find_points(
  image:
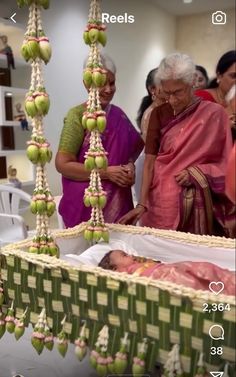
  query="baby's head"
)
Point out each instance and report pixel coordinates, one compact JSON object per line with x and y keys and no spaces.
{"x":116,"y":260}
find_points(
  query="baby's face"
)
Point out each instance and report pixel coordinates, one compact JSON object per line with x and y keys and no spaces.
{"x":120,"y":259}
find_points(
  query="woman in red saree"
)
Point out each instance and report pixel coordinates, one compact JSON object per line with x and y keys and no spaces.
{"x":220,"y":87}
{"x":187,"y":148}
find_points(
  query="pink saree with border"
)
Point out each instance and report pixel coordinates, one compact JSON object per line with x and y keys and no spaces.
{"x":197,"y":275}
{"x":198,"y":140}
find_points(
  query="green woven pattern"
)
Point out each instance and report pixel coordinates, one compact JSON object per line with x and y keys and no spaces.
{"x":142,"y":310}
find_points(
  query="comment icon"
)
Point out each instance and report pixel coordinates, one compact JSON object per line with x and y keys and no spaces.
{"x":217,"y":332}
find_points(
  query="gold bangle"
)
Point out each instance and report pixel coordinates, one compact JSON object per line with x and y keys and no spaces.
{"x":142,"y":206}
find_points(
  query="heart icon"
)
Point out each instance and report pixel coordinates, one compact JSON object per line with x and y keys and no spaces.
{"x":216,"y":287}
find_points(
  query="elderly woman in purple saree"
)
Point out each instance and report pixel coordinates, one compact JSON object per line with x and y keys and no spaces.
{"x":123,"y":144}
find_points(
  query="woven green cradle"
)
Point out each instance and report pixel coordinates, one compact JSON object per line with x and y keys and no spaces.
{"x":144,"y":310}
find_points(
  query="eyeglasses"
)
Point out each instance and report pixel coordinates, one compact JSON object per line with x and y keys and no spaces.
{"x":177,"y":93}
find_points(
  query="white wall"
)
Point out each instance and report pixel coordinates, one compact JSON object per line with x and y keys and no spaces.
{"x":205,"y":42}
{"x":136,"y":48}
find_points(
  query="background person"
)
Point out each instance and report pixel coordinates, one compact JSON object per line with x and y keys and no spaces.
{"x":187,"y":148}
{"x":201,"y":78}
{"x":230,"y":184}
{"x":220,"y":86}
{"x":154,"y":98}
{"x":123,"y":144}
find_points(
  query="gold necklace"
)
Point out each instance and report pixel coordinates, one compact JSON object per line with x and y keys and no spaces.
{"x":220,"y":98}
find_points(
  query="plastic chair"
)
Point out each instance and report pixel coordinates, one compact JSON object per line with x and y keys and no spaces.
{"x":12,"y":203}
{"x":61,"y":224}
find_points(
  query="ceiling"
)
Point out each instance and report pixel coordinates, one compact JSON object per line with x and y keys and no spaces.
{"x":178,"y":8}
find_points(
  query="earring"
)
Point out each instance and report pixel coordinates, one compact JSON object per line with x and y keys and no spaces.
{"x":218,"y":81}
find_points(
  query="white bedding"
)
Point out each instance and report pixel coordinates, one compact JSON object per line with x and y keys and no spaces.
{"x":165,"y":250}
{"x":95,"y":253}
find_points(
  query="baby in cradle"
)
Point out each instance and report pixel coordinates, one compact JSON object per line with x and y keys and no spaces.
{"x":197,"y":275}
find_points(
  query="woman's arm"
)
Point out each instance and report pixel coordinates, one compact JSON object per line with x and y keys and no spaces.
{"x":135,"y":214}
{"x":67,"y":165}
{"x":71,"y":140}
{"x":147,"y":177}
{"x":151,"y":151}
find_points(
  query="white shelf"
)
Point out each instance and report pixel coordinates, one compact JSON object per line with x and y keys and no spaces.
{"x":11,"y":123}
{"x":12,"y":152}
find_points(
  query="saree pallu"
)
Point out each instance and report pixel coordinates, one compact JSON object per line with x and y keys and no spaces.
{"x":204,"y":212}
{"x":199,"y":140}
{"x":123,"y":143}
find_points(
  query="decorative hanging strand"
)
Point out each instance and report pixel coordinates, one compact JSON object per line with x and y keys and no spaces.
{"x":94,"y":121}
{"x":36,"y":49}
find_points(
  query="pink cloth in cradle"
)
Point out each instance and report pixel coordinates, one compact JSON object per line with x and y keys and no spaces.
{"x":197,"y":275}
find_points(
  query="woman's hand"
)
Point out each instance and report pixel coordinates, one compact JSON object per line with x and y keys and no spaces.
{"x":183,"y":178}
{"x":133,"y":216}
{"x":121,"y":175}
{"x":130,"y":169}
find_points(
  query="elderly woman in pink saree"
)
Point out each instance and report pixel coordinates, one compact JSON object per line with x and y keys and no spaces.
{"x":123,"y":144}
{"x":197,"y":275}
{"x":187,"y":148}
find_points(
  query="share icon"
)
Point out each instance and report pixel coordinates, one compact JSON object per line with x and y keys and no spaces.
{"x":217,"y":374}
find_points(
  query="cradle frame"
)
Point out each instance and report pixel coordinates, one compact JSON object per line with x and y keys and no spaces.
{"x":165,"y":313}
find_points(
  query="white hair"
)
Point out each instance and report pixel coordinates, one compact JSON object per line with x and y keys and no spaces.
{"x":106,"y":61}
{"x":176,"y":66}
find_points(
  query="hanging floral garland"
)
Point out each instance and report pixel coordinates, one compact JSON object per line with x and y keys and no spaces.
{"x":201,"y":368}
{"x":81,"y":343}
{"x":37,"y":50}
{"x":94,"y":121}
{"x":172,"y":367}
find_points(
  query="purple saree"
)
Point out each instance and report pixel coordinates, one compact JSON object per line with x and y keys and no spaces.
{"x":123,"y":143}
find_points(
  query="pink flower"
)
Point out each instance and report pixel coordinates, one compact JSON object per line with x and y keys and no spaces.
{"x":121,"y":356}
{"x":48,"y":338}
{"x":38,"y":335}
{"x":95,"y":354}
{"x":138,"y":361}
{"x":9,"y":318}
{"x":101,"y":360}
{"x":19,"y":323}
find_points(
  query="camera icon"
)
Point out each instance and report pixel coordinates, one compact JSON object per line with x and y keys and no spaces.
{"x":218,"y":18}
